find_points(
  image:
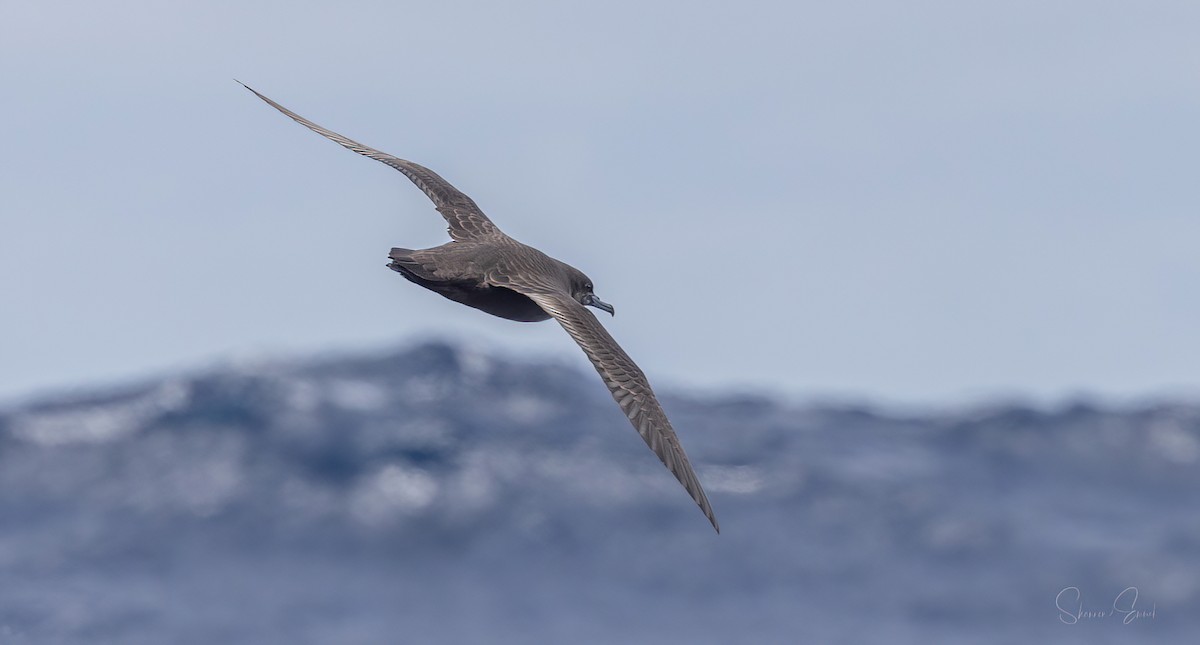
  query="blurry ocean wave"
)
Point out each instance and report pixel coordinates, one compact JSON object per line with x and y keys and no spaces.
{"x":436,"y":494}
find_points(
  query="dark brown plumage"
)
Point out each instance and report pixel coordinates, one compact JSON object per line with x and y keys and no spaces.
{"x":488,"y":270}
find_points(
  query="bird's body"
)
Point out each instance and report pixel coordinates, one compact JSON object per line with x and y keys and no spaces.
{"x":488,"y":270}
{"x":459,"y":271}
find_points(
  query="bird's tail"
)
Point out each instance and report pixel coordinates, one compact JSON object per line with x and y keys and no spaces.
{"x":402,"y":259}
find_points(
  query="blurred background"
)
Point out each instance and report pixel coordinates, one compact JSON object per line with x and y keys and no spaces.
{"x":916,"y":282}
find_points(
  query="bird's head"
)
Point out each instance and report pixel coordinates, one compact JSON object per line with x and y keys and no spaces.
{"x":581,"y":290}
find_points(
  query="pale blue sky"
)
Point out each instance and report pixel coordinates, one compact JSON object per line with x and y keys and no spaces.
{"x":918,"y":201}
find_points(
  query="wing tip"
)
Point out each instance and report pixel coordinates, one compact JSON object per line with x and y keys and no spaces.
{"x":706,"y":508}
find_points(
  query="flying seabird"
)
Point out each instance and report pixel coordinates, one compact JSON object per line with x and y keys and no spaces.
{"x":488,"y":270}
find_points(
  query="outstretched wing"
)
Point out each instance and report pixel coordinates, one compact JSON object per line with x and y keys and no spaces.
{"x":464,"y":217}
{"x":628,"y":386}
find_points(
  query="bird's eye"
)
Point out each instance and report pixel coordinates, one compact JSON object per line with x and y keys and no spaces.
{"x":588,"y":286}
